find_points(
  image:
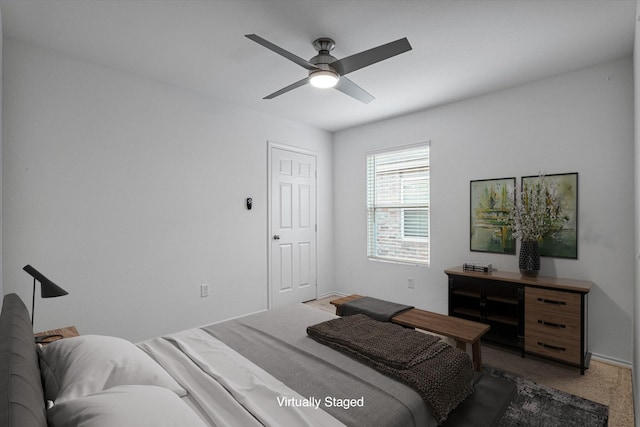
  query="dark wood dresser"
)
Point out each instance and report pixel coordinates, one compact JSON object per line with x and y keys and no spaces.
{"x":543,"y":316}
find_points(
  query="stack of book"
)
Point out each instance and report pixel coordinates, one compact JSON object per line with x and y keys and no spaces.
{"x":477,"y":266}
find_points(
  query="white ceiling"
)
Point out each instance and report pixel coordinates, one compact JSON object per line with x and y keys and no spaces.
{"x":460,"y":48}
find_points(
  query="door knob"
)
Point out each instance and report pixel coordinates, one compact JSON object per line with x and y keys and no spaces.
{"x":276,"y":237}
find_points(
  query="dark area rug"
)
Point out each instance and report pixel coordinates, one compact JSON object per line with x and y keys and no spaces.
{"x":541,"y":406}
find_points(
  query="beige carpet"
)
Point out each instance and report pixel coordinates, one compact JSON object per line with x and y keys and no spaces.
{"x":603,"y":382}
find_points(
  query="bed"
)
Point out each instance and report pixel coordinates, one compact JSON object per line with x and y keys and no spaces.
{"x":258,"y":370}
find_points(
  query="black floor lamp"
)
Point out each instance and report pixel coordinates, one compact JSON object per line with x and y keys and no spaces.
{"x":48,"y":289}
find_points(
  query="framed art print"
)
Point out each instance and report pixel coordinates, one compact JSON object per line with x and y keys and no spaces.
{"x":491,"y":201}
{"x":561,"y":242}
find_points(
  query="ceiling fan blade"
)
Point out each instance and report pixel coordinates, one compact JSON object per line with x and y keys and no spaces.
{"x":288,"y":88}
{"x":348,"y":87}
{"x":363,"y":59}
{"x":280,"y":51}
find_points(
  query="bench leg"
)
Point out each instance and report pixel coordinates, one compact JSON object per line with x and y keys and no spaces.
{"x":476,"y":352}
{"x":477,"y":355}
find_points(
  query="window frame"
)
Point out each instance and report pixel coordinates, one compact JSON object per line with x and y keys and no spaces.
{"x":374,"y":206}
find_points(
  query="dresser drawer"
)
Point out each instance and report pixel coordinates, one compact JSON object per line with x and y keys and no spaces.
{"x":552,"y":301}
{"x":561,"y":348}
{"x":553,"y":324}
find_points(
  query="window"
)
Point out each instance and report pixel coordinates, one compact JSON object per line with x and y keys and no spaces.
{"x":398,"y":205}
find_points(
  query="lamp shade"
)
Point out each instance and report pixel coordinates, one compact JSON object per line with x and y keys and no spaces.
{"x":48,"y":289}
{"x":323,"y":79}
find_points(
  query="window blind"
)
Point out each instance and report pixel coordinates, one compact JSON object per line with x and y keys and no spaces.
{"x":398,"y":205}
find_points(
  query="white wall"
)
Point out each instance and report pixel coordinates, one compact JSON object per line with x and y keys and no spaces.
{"x":130,"y":193}
{"x":636,"y":324}
{"x":577,"y":122}
{"x":1,"y":44}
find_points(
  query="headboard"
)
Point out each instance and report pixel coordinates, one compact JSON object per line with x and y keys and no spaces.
{"x":21,"y":397}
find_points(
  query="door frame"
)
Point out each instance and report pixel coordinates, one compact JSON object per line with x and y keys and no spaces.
{"x":271,"y":145}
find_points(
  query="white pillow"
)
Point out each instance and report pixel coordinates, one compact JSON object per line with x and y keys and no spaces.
{"x":123,"y":406}
{"x":79,"y":366}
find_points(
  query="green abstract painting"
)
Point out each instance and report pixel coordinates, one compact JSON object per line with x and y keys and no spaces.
{"x":491,"y":202}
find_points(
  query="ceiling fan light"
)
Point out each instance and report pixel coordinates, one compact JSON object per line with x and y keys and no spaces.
{"x":323,"y":79}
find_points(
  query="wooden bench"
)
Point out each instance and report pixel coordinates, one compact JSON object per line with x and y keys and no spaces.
{"x":462,"y":331}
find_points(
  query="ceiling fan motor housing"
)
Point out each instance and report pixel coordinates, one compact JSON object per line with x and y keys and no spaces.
{"x":323,"y":58}
{"x":324,"y":44}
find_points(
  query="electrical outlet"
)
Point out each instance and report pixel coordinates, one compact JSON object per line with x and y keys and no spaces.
{"x":204,"y":290}
{"x":412,"y":283}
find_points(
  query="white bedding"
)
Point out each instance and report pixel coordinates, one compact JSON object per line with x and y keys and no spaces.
{"x":233,"y":391}
{"x":277,"y":341}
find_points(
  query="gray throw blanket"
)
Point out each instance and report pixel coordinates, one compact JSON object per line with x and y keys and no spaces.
{"x":375,"y":308}
{"x":441,"y":374}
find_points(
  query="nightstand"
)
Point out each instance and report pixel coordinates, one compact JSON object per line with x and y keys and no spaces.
{"x":47,"y":337}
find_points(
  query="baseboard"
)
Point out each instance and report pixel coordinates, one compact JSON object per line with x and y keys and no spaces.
{"x":611,"y":361}
{"x":231,"y":318}
{"x":328,"y":294}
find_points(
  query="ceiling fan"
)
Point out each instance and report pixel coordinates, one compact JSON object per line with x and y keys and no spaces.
{"x":326,"y":71}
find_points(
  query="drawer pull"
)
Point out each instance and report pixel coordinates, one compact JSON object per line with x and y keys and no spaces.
{"x":551,"y":347}
{"x":550,"y":301}
{"x":553,"y":325}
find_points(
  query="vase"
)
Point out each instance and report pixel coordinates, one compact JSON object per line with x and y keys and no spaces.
{"x":529,"y":261}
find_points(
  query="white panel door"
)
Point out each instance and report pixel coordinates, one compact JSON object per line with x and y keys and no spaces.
{"x":293,"y":227}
